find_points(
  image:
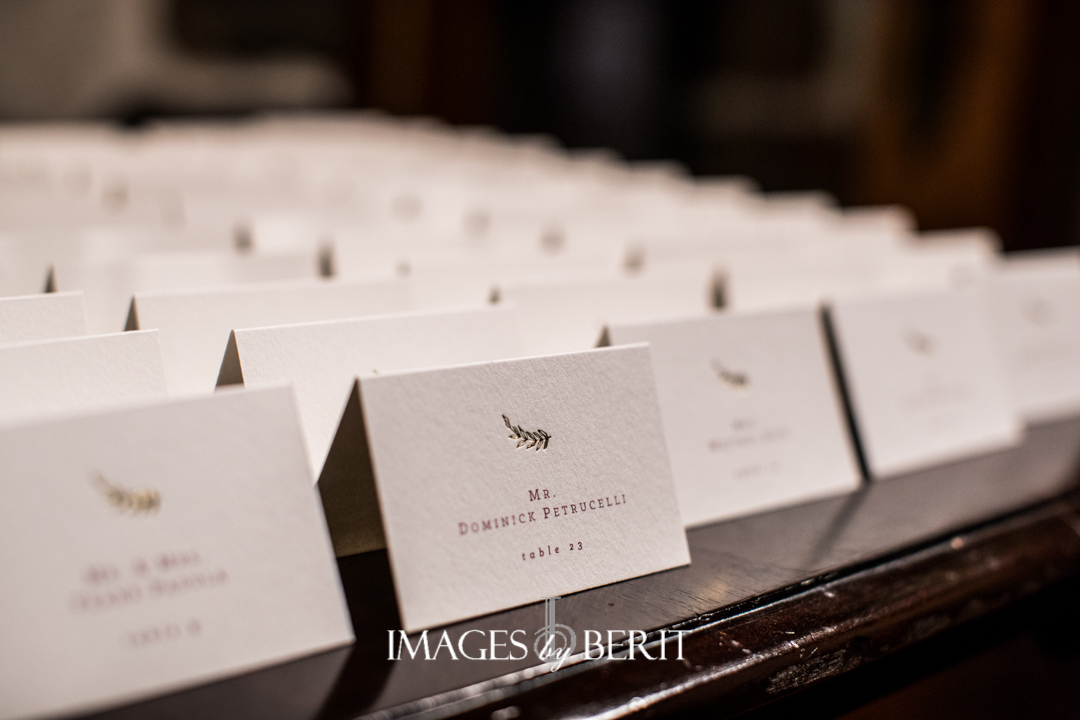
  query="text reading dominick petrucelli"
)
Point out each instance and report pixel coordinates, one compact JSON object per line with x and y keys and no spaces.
{"x":545,"y":512}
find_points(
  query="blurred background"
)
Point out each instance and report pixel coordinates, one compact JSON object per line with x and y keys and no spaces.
{"x":966,"y":111}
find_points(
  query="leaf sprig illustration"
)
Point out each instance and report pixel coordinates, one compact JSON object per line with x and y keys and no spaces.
{"x":137,"y":501}
{"x":535,"y":440}
{"x":920,"y":342}
{"x":1039,"y":312}
{"x":738,"y":380}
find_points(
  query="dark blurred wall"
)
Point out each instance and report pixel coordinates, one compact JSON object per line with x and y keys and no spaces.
{"x":946,"y":118}
{"x":1044,"y":186}
{"x":967,"y":111}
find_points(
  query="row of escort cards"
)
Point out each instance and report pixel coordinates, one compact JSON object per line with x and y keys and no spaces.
{"x":527,"y":373}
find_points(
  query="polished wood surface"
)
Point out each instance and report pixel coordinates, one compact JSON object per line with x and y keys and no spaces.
{"x":774,"y":603}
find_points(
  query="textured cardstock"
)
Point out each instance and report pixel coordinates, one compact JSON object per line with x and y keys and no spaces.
{"x":42,"y":317}
{"x":1035,"y":308}
{"x":322,"y":360}
{"x":570,"y":316}
{"x":503,"y":483}
{"x":168,"y":545}
{"x":752,"y":414}
{"x":82,"y":373}
{"x":924,"y":377}
{"x":195,"y":325}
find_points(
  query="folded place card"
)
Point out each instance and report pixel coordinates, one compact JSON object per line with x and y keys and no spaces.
{"x":503,"y":483}
{"x":155,"y":547}
{"x":949,"y":259}
{"x":82,"y":373}
{"x":42,"y":317}
{"x":110,"y":284}
{"x":570,"y":316}
{"x":799,"y":271}
{"x":924,"y":378}
{"x":322,"y":360}
{"x":752,"y":414}
{"x":457,"y":285}
{"x":1035,"y":306}
{"x":24,"y":265}
{"x":195,"y":325}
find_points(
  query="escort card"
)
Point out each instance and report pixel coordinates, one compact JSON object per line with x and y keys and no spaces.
{"x":752,"y":415}
{"x":924,"y":378}
{"x":503,"y":483}
{"x":195,"y":324}
{"x":1036,"y":310}
{"x":82,"y":373}
{"x":42,"y":317}
{"x":166,"y":545}
{"x":570,"y":316}
{"x":945,"y":259}
{"x":322,"y":360}
{"x":109,"y":285}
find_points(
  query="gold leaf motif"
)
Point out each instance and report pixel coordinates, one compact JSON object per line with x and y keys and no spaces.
{"x":138,"y":501}
{"x":1039,"y":312}
{"x":920,"y":342}
{"x":737,"y":380}
{"x":535,"y":440}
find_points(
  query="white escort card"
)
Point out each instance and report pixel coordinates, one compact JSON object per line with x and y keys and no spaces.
{"x":195,"y":324}
{"x":24,"y":267}
{"x":1035,"y":301}
{"x":507,"y":482}
{"x":82,"y":373}
{"x":42,"y":317}
{"x":322,"y":360}
{"x":570,"y":316}
{"x":924,"y":378}
{"x":752,"y":414}
{"x":110,"y":284}
{"x":166,"y":545}
{"x":945,"y":259}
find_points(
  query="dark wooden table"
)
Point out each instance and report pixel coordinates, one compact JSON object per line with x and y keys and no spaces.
{"x":772,"y":604}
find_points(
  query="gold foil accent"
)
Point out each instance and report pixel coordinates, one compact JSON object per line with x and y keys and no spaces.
{"x":737,"y":380}
{"x":1039,"y":312}
{"x":138,"y":501}
{"x":920,"y":342}
{"x":536,"y":439}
